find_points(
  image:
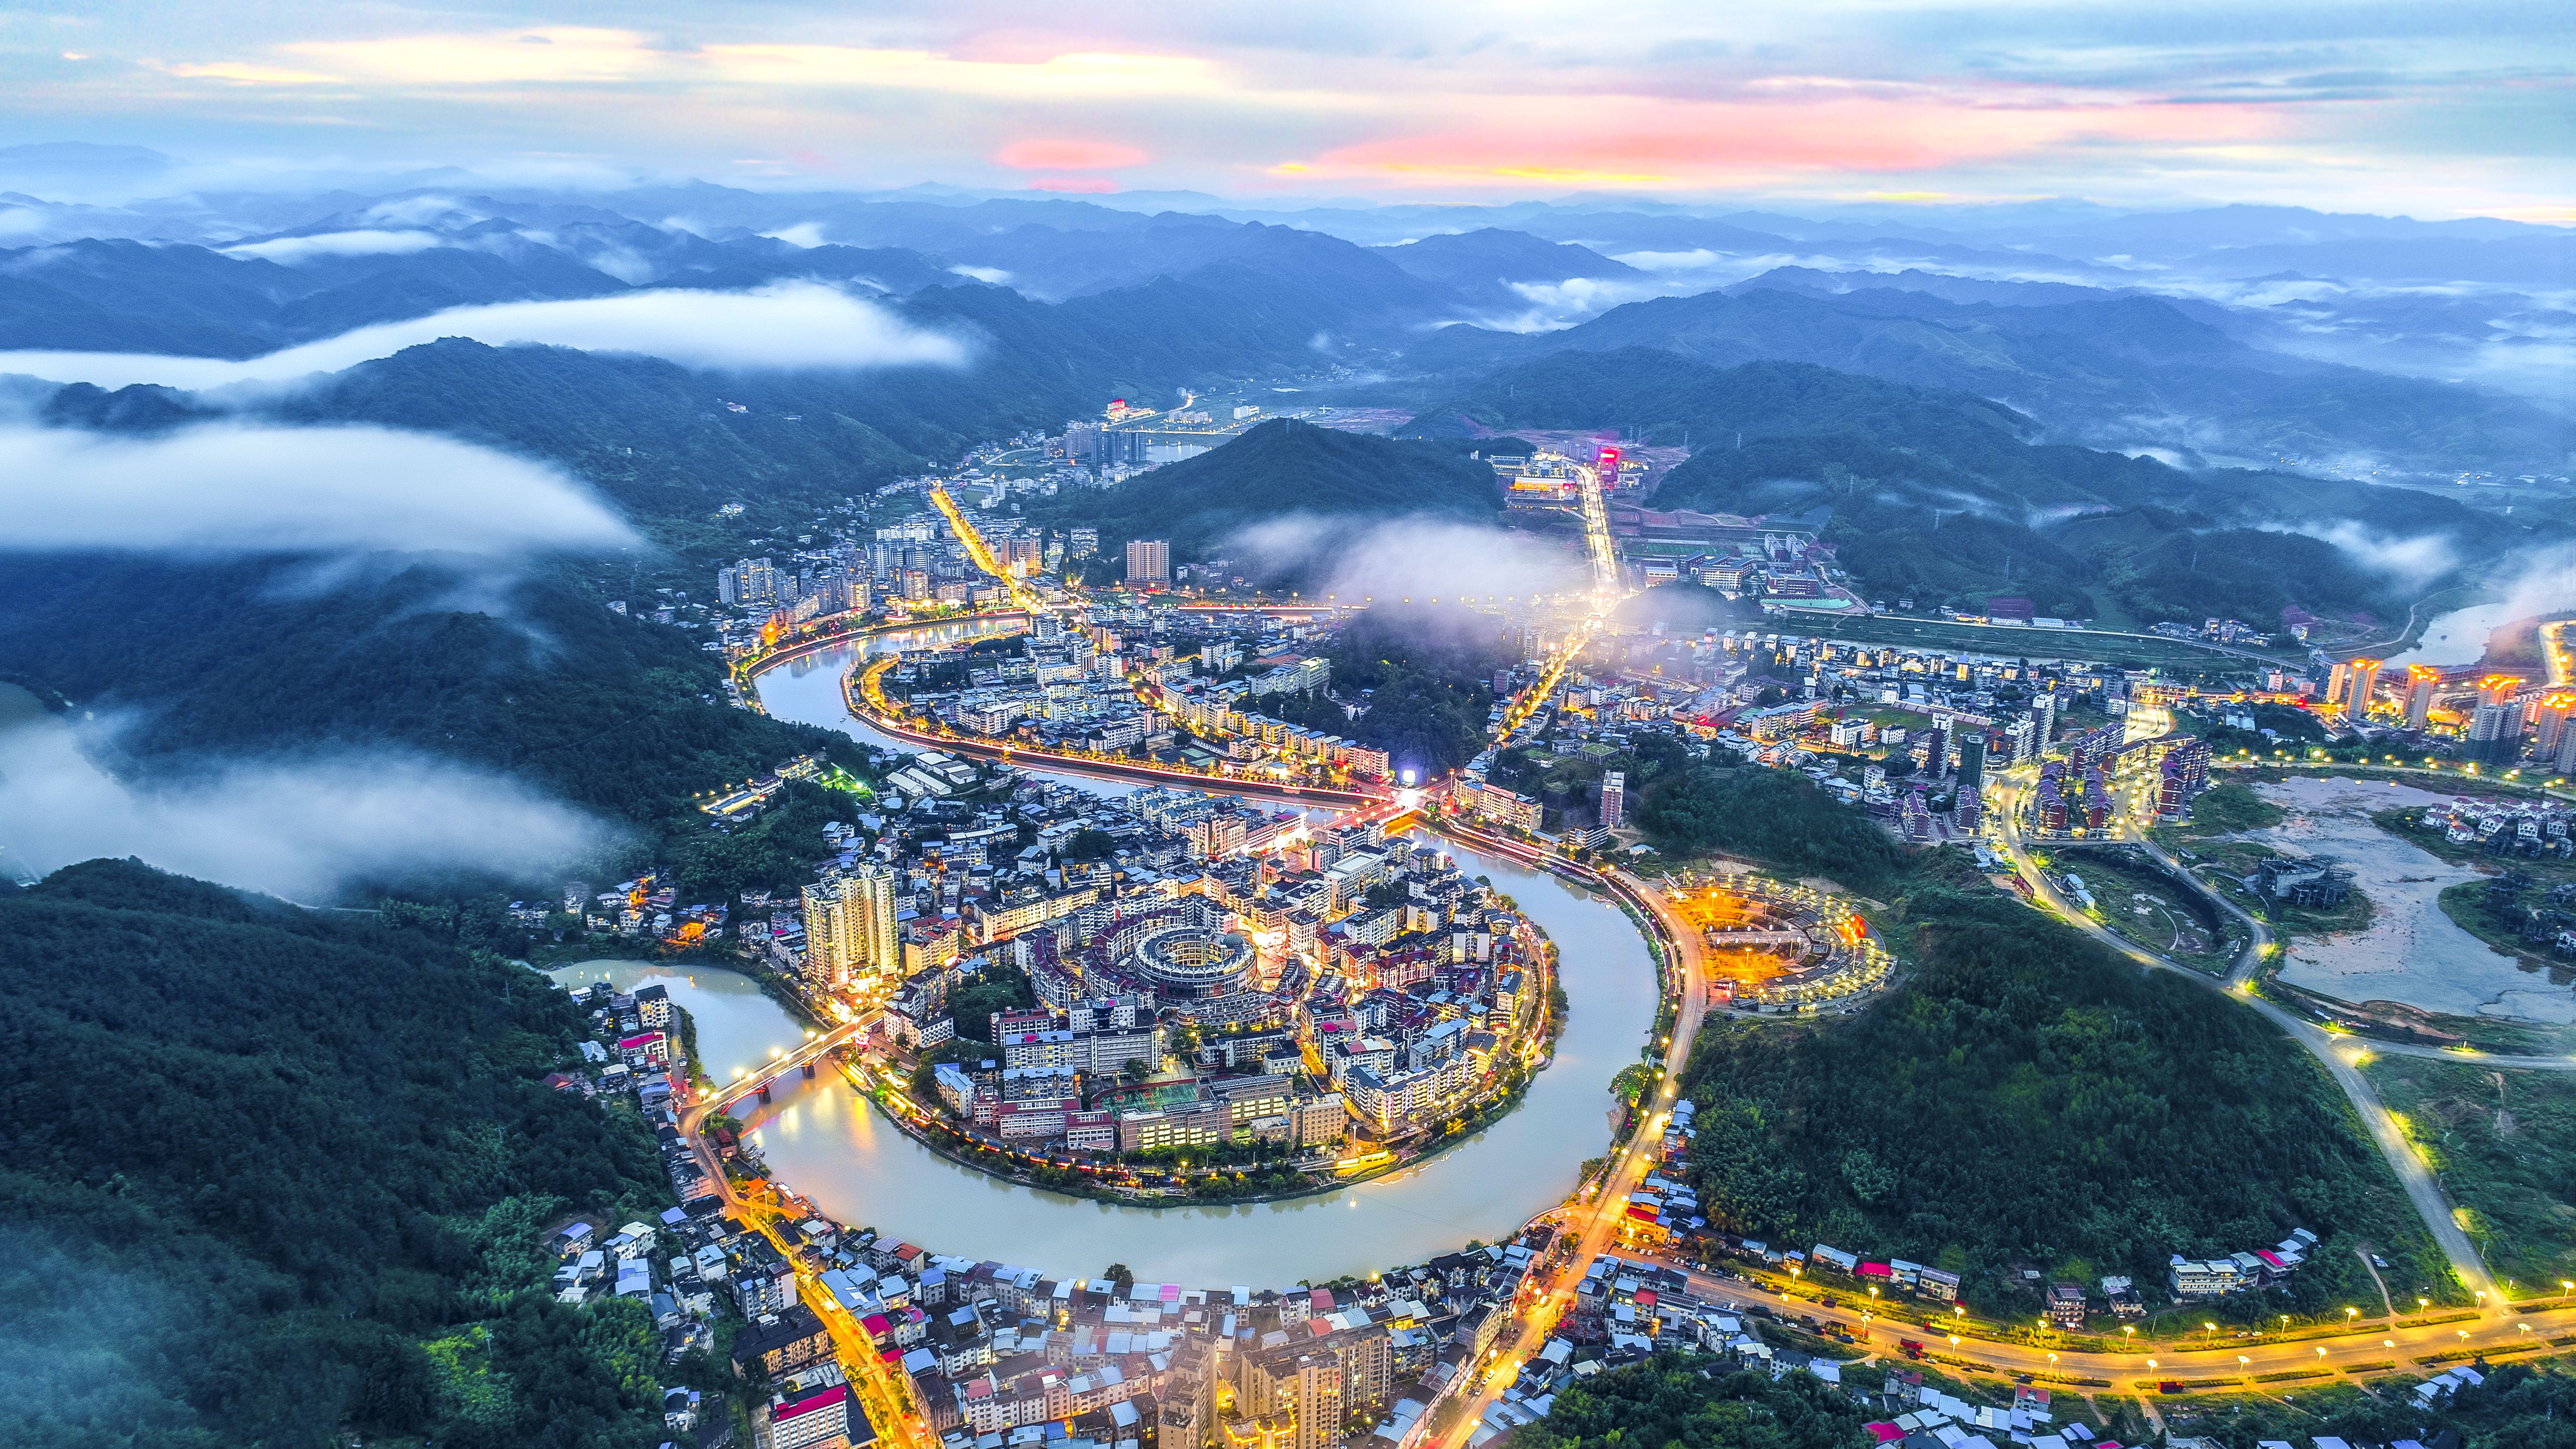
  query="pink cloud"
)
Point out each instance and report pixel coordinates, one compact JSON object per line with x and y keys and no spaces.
{"x":1637,"y":141}
{"x":1056,"y":154}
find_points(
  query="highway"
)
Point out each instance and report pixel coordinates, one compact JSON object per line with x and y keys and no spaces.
{"x":2375,"y":1342}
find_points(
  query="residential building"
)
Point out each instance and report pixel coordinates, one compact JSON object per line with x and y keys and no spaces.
{"x":772,"y":1344}
{"x":2421,"y":682}
{"x":1149,"y":561}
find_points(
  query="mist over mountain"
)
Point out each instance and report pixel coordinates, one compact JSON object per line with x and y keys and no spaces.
{"x":2125,"y":371}
{"x":2234,"y":334}
{"x":1952,"y":400}
{"x":1945,"y":497}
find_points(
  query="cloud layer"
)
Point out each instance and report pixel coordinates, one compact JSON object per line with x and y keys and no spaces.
{"x":792,"y":325}
{"x":2428,"y":109}
{"x":297,"y":830}
{"x":1418,"y":558}
{"x":244,"y":489}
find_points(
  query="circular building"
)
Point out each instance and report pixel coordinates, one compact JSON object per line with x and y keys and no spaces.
{"x":1190,"y":962}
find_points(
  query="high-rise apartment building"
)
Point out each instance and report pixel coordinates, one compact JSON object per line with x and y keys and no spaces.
{"x":2495,"y":733}
{"x":2549,"y":722}
{"x":1614,"y":799}
{"x":1082,"y":542}
{"x":1149,"y":561}
{"x":2043,"y":718}
{"x":2421,"y":682}
{"x":2364,"y":685}
{"x":850,"y":939}
{"x":868,"y":921}
{"x":1318,"y":1381}
{"x":826,"y":958}
{"x":751,"y":583}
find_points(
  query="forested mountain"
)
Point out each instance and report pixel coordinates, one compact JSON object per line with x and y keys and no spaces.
{"x":272,"y":1177}
{"x":1420,"y":675}
{"x":2024,"y":1095}
{"x":125,"y":296}
{"x":2121,"y":371}
{"x":1281,"y":469}
{"x":533,"y":678}
{"x":1483,"y":266}
{"x":1940,"y":496}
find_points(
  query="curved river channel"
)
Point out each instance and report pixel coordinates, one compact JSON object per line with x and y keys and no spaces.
{"x":825,"y":1141}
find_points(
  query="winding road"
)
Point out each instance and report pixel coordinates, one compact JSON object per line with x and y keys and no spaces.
{"x":2340,"y":1055}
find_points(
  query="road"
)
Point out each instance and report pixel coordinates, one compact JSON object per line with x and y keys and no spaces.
{"x":860,"y":694}
{"x":1882,"y":1325}
{"x":883,"y":1389}
{"x":2340,"y":1056}
{"x":1596,"y":1220}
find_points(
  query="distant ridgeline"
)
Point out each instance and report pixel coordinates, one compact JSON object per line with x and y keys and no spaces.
{"x":1945,"y":497}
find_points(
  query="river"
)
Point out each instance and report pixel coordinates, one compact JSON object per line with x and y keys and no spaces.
{"x":2460,"y":636}
{"x":822,"y":1139}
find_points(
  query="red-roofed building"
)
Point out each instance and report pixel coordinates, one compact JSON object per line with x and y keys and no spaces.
{"x":822,"y":1420}
{"x":651,"y":1046}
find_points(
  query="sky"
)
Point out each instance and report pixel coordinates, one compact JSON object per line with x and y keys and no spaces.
{"x":2433,"y":110}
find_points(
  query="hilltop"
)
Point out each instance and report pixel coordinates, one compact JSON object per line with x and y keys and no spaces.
{"x":1284,"y":468}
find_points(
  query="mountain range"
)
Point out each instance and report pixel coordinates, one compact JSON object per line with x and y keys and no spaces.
{"x":2254,"y":364}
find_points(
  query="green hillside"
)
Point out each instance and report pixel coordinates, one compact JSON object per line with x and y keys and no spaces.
{"x":1280,"y":469}
{"x":2022,"y":1095}
{"x":536,"y":680}
{"x":274,"y":1178}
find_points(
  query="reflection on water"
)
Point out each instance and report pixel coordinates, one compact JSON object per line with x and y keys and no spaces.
{"x":823,"y":1140}
{"x":2458,"y":637}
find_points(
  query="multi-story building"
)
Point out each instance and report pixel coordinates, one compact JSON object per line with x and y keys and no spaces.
{"x":1614,"y":799}
{"x":750,"y":583}
{"x":2549,"y":722}
{"x":1186,"y":1406}
{"x":2495,"y":733}
{"x":2421,"y":683}
{"x":1149,"y":561}
{"x":1197,"y":1124}
{"x":1317,"y":1380}
{"x":823,"y":1419}
{"x":774,"y":1343}
{"x":850,"y":937}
